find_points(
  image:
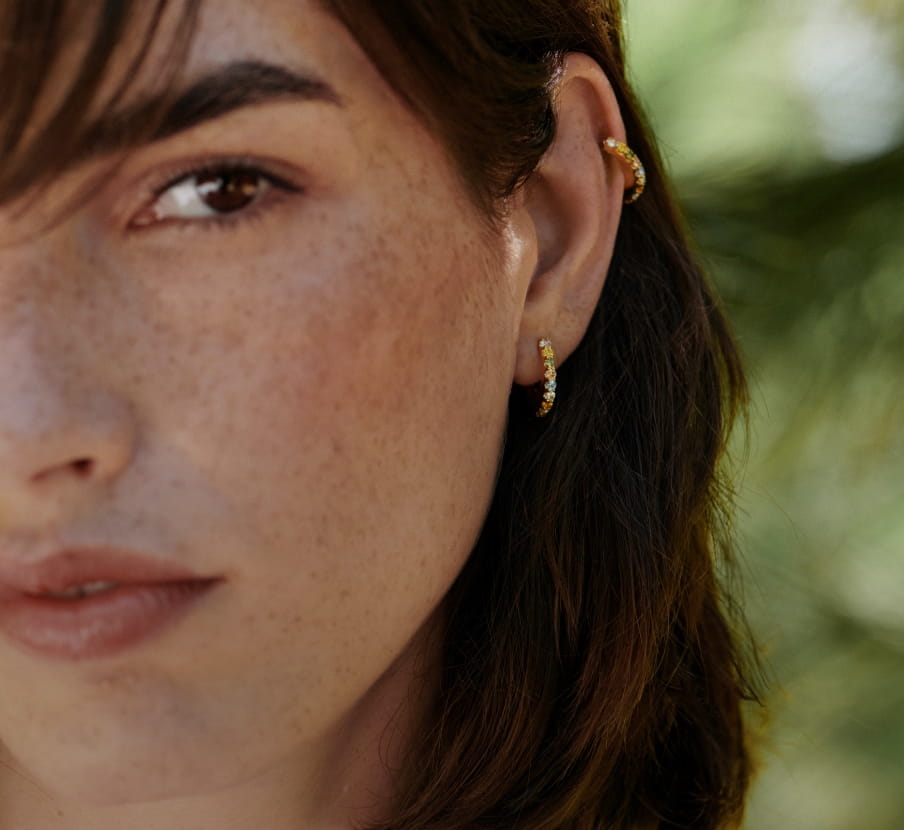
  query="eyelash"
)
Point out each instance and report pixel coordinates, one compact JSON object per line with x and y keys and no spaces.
{"x":279,"y":186}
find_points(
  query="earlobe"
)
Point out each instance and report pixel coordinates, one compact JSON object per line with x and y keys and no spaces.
{"x":574,"y":200}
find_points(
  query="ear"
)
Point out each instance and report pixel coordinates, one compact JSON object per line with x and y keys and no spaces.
{"x":571,"y":206}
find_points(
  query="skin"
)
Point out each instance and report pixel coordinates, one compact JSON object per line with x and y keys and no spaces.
{"x":307,"y":400}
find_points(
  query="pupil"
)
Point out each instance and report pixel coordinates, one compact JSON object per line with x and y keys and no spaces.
{"x":227,"y":191}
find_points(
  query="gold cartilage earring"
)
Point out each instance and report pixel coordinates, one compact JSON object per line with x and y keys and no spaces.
{"x":617,"y":148}
{"x":549,"y":375}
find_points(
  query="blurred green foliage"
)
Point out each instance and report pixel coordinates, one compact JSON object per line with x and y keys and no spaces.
{"x":783,"y":126}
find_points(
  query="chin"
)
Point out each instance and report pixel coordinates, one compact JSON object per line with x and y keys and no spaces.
{"x":97,"y":767}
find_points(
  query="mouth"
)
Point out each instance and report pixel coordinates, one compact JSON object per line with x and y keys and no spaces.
{"x":89,"y":589}
{"x":82,"y":605}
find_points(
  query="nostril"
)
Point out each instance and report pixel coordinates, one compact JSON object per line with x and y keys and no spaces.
{"x":83,"y":466}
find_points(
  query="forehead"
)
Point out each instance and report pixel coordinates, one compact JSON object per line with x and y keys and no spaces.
{"x":297,"y":34}
{"x":291,"y":32}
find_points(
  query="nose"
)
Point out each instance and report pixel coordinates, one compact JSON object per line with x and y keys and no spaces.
{"x":64,"y":433}
{"x":61,"y":445}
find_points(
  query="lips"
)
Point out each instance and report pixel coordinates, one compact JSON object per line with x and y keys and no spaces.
{"x":81,"y":566}
{"x":93,"y":603}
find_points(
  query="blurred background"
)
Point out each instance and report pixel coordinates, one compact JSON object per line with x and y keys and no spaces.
{"x":782,"y":122}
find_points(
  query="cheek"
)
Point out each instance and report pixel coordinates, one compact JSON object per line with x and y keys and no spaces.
{"x":393,"y":405}
{"x":355,"y":407}
{"x":379,"y":458}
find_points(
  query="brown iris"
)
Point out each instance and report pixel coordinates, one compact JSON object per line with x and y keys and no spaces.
{"x":227,"y":191}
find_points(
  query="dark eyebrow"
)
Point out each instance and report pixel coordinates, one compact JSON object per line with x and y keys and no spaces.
{"x":232,"y":87}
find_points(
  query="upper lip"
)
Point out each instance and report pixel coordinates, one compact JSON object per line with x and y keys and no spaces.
{"x":80,"y":566}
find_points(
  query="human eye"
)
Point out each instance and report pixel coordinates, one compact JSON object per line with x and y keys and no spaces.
{"x":216,"y":192}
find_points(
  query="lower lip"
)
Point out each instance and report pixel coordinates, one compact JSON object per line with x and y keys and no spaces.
{"x":101,"y":625}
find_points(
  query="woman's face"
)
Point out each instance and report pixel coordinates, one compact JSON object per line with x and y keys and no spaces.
{"x":303,"y":395}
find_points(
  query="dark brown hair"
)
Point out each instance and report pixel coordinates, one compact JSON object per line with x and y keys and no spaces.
{"x":591,"y":677}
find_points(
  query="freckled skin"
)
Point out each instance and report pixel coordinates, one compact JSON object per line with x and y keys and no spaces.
{"x":310,"y":403}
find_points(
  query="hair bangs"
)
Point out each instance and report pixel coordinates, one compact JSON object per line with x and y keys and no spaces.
{"x":63,"y":63}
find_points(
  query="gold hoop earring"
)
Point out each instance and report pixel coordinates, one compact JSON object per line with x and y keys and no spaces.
{"x":549,"y":375}
{"x":617,"y":148}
